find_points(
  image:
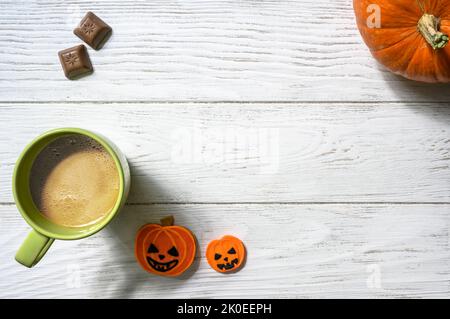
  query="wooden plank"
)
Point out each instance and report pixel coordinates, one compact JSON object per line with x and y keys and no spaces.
{"x":294,"y":152}
{"x":332,"y":251}
{"x":213,"y":50}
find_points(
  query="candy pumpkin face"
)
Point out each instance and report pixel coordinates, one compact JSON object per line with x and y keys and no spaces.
{"x":226,"y":254}
{"x":165,"y":249}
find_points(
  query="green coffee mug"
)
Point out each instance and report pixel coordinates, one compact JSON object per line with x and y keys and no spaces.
{"x":44,"y":231}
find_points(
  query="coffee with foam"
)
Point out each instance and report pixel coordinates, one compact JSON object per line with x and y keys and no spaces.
{"x":74,"y":181}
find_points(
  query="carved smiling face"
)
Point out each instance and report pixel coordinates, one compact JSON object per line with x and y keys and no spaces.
{"x":165,"y":250}
{"x":160,"y":257}
{"x":225,"y":254}
{"x":226,"y":261}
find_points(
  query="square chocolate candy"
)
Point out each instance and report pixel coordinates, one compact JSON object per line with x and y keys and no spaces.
{"x":93,"y":31}
{"x":75,"y":61}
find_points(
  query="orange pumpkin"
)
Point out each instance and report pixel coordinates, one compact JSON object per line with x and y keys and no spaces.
{"x":165,"y":249}
{"x":226,"y":254}
{"x":409,"y":37}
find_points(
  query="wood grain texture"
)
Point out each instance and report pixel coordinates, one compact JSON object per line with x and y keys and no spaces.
{"x":223,"y":153}
{"x":332,"y":251}
{"x":215,"y":50}
{"x":334,"y":172}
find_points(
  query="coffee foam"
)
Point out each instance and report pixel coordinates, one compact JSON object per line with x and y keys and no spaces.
{"x":74,"y":181}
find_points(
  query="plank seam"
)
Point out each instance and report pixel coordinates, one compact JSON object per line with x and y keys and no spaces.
{"x":222,"y":102}
{"x":273,"y":203}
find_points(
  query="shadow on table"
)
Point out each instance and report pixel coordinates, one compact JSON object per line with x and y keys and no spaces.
{"x":422,"y":93}
{"x":126,"y":276}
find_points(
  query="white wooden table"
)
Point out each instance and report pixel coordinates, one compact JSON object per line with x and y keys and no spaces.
{"x":268,"y":120}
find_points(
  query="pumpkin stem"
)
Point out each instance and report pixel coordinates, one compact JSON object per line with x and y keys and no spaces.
{"x":429,"y":27}
{"x":167,"y":221}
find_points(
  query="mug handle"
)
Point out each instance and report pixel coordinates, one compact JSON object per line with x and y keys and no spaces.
{"x":33,"y":248}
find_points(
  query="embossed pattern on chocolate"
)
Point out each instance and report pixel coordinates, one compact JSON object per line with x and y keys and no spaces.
{"x":75,"y":61}
{"x":93,"y":30}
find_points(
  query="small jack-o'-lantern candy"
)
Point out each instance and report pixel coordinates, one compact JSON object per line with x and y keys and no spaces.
{"x":225,"y":254}
{"x":165,"y":249}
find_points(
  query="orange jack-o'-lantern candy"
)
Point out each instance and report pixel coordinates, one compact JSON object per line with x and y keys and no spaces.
{"x":165,"y":249}
{"x":226,"y":254}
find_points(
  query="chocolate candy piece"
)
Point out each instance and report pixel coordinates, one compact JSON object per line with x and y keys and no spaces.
{"x":93,"y":31}
{"x":75,"y":61}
